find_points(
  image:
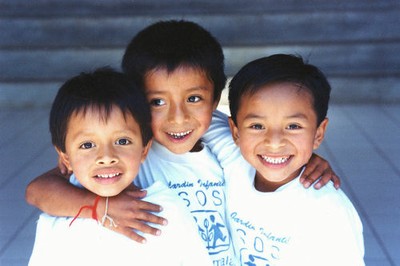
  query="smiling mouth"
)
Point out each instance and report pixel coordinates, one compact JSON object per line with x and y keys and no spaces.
{"x":275,"y":160}
{"x":179,"y":135}
{"x":107,"y":176}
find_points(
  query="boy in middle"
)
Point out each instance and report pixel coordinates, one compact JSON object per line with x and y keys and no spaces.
{"x":182,"y":69}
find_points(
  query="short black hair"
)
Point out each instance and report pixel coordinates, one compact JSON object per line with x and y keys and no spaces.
{"x":276,"y":69}
{"x":102,"y":89}
{"x":172,"y":44}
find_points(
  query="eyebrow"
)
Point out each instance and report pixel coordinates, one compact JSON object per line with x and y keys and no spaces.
{"x":202,"y":88}
{"x":295,"y":115}
{"x":253,"y":116}
{"x":298,"y":115}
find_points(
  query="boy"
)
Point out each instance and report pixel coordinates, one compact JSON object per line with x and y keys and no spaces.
{"x":278,"y":106}
{"x":100,"y":127}
{"x":181,"y":66}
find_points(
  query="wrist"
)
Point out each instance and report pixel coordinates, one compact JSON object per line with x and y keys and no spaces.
{"x":92,"y":208}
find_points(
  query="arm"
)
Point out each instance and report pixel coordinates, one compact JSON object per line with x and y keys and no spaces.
{"x":318,"y":167}
{"x":53,"y":194}
{"x":219,"y":139}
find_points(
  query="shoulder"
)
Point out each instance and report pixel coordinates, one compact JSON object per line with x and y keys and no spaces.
{"x":331,"y":205}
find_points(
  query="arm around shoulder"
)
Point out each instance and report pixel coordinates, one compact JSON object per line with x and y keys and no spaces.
{"x":219,"y":139}
{"x":52,"y":193}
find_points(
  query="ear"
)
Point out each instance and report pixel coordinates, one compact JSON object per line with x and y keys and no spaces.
{"x":320,"y":134}
{"x":146,"y":150}
{"x":234,"y":131}
{"x":63,"y":157}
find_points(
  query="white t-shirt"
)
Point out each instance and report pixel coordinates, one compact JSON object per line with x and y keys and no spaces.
{"x":86,"y":242}
{"x":290,"y":226}
{"x":197,"y":178}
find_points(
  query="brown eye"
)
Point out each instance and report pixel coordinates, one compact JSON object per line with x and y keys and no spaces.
{"x":87,"y":145}
{"x":194,"y":99}
{"x":157,"y":102}
{"x":123,"y":142}
{"x":293,"y":126}
{"x":257,"y":126}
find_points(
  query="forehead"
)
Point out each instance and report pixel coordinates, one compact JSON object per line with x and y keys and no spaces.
{"x":182,"y":76}
{"x":276,"y":98}
{"x":101,"y":115}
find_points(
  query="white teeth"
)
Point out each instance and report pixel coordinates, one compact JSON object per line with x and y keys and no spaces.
{"x":180,"y":134}
{"x":108,"y":176}
{"x":275,"y":160}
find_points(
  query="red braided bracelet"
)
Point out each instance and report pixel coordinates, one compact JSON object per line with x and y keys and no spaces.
{"x":93,"y":208}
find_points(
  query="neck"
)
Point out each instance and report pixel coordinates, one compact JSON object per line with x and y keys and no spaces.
{"x":263,"y":184}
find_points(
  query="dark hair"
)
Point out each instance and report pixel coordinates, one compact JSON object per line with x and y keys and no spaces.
{"x":172,"y":44}
{"x":102,"y":89}
{"x":276,"y":69}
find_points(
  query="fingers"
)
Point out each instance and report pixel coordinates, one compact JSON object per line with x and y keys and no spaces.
{"x":326,"y":177}
{"x":130,"y":228}
{"x":149,"y":207}
{"x":323,"y":175}
{"x":128,"y":232}
{"x":137,"y":195}
{"x":133,"y":215}
{"x":140,"y":211}
{"x":145,"y":228}
{"x":140,"y":223}
{"x":319,"y":169}
{"x":310,"y":175}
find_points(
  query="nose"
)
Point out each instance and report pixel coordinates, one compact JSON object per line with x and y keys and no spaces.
{"x":107,"y":156}
{"x":178,"y":113}
{"x":274,"y":138}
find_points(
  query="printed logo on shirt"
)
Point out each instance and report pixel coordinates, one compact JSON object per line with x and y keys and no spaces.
{"x":212,"y":230}
{"x":256,"y":245}
{"x":206,"y":201}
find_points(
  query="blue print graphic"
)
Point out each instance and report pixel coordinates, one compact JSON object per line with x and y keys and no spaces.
{"x":212,"y":230}
{"x":252,"y":260}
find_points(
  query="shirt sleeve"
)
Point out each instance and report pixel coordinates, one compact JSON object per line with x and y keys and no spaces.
{"x":219,"y":139}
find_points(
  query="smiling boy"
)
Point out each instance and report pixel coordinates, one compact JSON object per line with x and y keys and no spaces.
{"x":279,"y":106}
{"x":100,"y":127}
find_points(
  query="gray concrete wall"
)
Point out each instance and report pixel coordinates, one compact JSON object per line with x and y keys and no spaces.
{"x":355,"y":42}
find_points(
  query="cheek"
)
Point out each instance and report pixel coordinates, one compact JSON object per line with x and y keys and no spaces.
{"x":80,"y":164}
{"x":247,"y":144}
{"x":156,"y":124}
{"x":305,"y":144}
{"x":203,"y":115}
{"x":156,"y":121}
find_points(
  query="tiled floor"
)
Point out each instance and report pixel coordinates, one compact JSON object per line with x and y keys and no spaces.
{"x":362,"y":144}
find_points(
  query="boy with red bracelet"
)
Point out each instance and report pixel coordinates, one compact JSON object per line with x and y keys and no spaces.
{"x":100,"y":127}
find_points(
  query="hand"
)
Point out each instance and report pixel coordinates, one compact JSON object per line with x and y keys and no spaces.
{"x":318,"y":167}
{"x":130,"y":213}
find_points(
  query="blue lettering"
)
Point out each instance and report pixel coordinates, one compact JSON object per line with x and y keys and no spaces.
{"x":207,"y":184}
{"x":201,"y":198}
{"x":273,"y":238}
{"x":246,"y":224}
{"x":258,"y":244}
{"x":218,"y":201}
{"x":182,"y":195}
{"x":223,"y":262}
{"x":184,"y":184}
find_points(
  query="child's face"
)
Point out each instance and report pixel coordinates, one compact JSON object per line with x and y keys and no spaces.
{"x":104,"y":155}
{"x":181,"y":106}
{"x":277,"y":133}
